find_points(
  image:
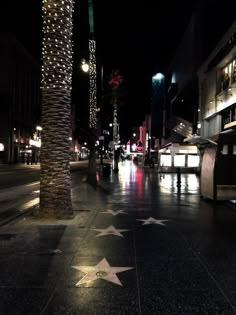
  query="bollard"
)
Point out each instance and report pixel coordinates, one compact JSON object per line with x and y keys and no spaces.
{"x":178,"y":177}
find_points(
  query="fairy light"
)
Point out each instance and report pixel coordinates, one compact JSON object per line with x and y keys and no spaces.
{"x":93,"y":87}
{"x":57,"y":44}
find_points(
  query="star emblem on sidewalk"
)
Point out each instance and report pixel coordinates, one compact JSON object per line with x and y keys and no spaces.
{"x":111,"y":230}
{"x":151,"y":220}
{"x":114,"y":212}
{"x":101,"y":271}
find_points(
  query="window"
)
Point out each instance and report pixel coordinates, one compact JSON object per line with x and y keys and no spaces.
{"x":234,"y":72}
{"x":193,"y":160}
{"x":234,"y":149}
{"x":165,"y":160}
{"x":225,"y":118}
{"x":228,"y":117}
{"x":225,"y":79}
{"x":179,"y":160}
{"x":225,"y":149}
{"x":228,"y":75}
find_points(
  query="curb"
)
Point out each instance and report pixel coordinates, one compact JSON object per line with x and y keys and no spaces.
{"x":17,"y":216}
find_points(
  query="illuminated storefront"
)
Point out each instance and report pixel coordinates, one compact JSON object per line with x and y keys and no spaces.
{"x":186,"y":157}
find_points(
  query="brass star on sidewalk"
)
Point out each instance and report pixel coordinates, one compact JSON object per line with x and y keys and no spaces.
{"x":114,"y":212}
{"x":101,"y":271}
{"x":151,"y":220}
{"x":111,"y":230}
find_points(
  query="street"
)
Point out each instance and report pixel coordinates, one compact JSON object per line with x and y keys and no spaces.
{"x":19,"y":187}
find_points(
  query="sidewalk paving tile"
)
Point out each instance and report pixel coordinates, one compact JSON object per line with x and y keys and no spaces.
{"x":186,"y":266}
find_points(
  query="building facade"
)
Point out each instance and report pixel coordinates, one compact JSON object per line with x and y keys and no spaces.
{"x":20,"y":101}
{"x":206,"y":26}
{"x":217,"y":87}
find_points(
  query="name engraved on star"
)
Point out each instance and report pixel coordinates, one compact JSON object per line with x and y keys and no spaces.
{"x":101,"y":274}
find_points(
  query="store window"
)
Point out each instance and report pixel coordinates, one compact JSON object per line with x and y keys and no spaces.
{"x":193,"y":161}
{"x":165,"y":160}
{"x":179,"y":160}
{"x":225,"y":149}
{"x":234,"y":149}
{"x":228,"y":117}
{"x":225,"y":119}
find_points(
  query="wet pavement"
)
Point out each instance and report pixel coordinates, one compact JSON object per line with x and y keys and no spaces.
{"x":138,"y":244}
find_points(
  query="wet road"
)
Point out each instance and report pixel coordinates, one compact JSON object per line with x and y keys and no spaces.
{"x":19,"y":187}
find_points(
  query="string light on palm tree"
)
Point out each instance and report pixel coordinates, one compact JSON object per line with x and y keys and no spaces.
{"x":91,"y":178}
{"x":56,"y":84}
{"x":57,"y":44}
{"x":92,"y":85}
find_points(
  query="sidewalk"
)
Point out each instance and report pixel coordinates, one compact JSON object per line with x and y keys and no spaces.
{"x":18,"y":166}
{"x":137,"y":245}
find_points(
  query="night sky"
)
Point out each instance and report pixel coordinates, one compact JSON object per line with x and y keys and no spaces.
{"x":137,"y":37}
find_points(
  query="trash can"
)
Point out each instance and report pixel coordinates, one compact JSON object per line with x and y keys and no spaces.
{"x":106,"y":170}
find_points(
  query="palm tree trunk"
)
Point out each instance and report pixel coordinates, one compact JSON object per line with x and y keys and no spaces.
{"x":91,"y":176}
{"x":55,"y":181}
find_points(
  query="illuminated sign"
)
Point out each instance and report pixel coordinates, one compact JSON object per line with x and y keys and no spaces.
{"x":35,"y":143}
{"x":231,"y":124}
{"x":1,"y":147}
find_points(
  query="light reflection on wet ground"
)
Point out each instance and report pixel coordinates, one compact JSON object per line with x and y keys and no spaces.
{"x":187,"y":266}
{"x":136,"y":179}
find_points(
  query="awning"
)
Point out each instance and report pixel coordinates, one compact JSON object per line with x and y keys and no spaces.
{"x":195,"y":139}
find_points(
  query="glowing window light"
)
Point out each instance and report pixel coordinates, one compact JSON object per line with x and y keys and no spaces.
{"x":165,"y":160}
{"x":193,"y":161}
{"x":179,"y":160}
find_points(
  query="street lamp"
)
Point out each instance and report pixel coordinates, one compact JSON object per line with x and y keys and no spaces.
{"x":84,"y":65}
{"x":158,"y":105}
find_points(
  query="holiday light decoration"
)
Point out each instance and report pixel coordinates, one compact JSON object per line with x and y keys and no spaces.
{"x":93,"y":85}
{"x":115,"y":82}
{"x":57,"y":44}
{"x":56,"y":84}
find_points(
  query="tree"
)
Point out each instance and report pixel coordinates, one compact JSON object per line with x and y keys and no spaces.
{"x":55,"y":181}
{"x":91,"y":177}
{"x":115,"y":82}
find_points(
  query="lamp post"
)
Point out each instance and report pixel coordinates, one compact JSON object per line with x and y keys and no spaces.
{"x":158,"y":106}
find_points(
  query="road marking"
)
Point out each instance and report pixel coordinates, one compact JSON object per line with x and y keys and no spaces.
{"x":29,"y":204}
{"x":32,"y":184}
